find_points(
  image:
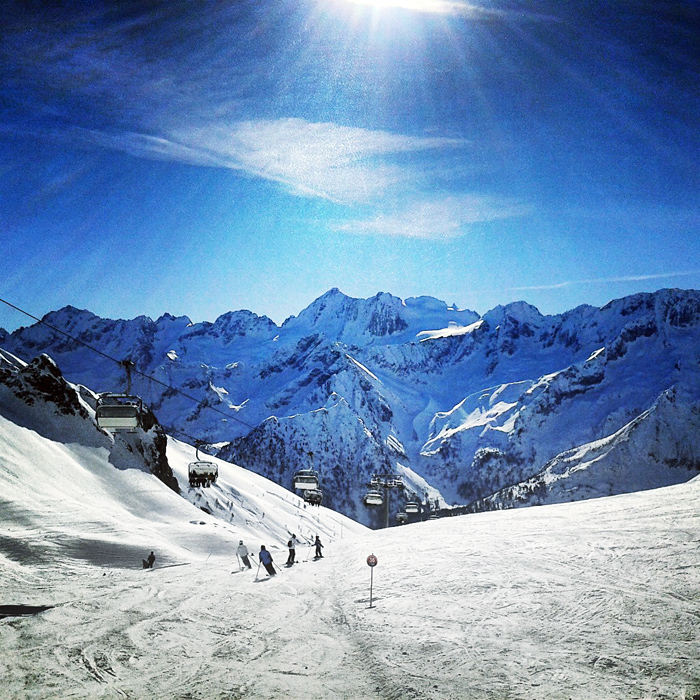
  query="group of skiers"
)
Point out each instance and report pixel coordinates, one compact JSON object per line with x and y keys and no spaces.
{"x":265,"y":557}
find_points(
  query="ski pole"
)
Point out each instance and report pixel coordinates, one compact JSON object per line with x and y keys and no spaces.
{"x":258,"y":571}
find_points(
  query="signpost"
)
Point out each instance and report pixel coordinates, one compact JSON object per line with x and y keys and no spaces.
{"x":371,"y":562}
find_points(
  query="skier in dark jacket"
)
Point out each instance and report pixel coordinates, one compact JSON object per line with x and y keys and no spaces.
{"x":148,"y":563}
{"x":266,"y":560}
{"x":319,"y":547}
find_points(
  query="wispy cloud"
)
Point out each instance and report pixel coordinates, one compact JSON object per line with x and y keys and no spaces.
{"x":438,"y":219}
{"x":346,"y":165}
{"x":187,"y":93}
{"x":606,"y":280}
{"x":343,"y":164}
{"x":172,"y":85}
{"x":340,"y":163}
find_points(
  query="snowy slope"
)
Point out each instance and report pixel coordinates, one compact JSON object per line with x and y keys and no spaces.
{"x":588,"y":600}
{"x":467,"y":405}
{"x":87,"y":491}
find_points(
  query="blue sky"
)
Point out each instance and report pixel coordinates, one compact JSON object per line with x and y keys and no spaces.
{"x":196,"y":158}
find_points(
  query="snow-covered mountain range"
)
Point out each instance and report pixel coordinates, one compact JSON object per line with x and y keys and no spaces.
{"x":508,"y":408}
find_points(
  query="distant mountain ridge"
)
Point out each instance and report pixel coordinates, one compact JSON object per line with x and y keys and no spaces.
{"x":463,"y":406}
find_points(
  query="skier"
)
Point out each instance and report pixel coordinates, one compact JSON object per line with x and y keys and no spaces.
{"x":319,"y":547}
{"x":148,"y":563}
{"x":266,"y":560}
{"x":292,"y":544}
{"x":242,"y":552}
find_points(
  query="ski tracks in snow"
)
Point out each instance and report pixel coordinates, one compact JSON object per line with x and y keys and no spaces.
{"x":523,"y":605}
{"x":590,"y":600}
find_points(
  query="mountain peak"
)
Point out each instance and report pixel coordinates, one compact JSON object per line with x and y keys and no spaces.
{"x":169,"y":318}
{"x":355,"y":321}
{"x":517,"y":312}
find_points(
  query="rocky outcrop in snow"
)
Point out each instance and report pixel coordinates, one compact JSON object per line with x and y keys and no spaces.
{"x":36,"y":396}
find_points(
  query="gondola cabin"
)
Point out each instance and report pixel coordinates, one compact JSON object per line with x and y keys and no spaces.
{"x":412,"y":507}
{"x":306,"y":479}
{"x":202,"y":473}
{"x":374,"y":498}
{"x":116,"y":412}
{"x":313,"y":496}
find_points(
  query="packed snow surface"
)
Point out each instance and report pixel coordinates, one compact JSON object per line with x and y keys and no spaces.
{"x":597,"y":599}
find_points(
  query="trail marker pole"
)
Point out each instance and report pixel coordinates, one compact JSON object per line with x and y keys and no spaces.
{"x":371,"y":562}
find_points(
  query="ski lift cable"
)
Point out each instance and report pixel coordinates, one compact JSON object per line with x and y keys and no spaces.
{"x":133,"y":369}
{"x":170,"y":429}
{"x":196,"y":442}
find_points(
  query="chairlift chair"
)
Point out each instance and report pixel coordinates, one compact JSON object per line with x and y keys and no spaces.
{"x":116,"y":412}
{"x":202,"y":473}
{"x":306,"y":479}
{"x":374,"y":498}
{"x":401,"y":518}
{"x":412,"y":507}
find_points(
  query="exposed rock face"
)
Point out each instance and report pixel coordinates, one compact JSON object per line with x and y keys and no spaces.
{"x":37,"y":396}
{"x":462,"y":405}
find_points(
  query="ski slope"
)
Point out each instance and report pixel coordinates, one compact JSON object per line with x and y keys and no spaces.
{"x":597,"y":599}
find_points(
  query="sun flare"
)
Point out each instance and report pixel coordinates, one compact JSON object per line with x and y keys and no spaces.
{"x":429,"y":6}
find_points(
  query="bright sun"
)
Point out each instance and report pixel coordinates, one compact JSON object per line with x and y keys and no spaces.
{"x":430,"y":6}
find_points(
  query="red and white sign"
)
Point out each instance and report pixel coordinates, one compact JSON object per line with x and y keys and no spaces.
{"x":371,"y":560}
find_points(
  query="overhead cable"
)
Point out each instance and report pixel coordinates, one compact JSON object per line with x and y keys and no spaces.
{"x":121,"y":362}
